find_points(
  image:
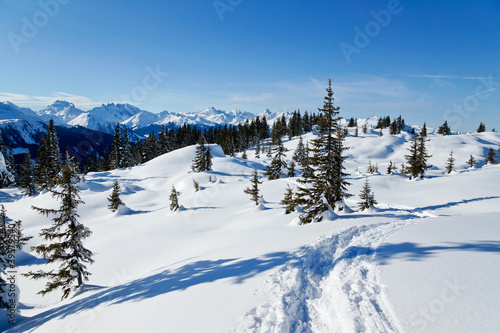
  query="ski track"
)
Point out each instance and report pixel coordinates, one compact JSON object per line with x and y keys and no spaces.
{"x":330,"y":286}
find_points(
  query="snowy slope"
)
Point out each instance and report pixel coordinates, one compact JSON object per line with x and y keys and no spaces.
{"x":221,"y":264}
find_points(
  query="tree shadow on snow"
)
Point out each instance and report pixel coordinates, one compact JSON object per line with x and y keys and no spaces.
{"x":196,"y":273}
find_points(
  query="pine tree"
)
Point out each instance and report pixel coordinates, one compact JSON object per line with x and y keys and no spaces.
{"x":288,"y":201}
{"x":471,"y":161}
{"x":278,"y":163}
{"x":65,"y":236}
{"x":257,"y":149}
{"x":291,"y":169}
{"x":48,"y":163}
{"x":490,"y":157}
{"x":11,"y":168}
{"x":367,"y":197}
{"x":116,"y":149}
{"x":371,"y":169}
{"x":114,"y":198}
{"x":365,"y":128}
{"x":423,"y":132}
{"x":203,"y":158}
{"x":450,"y":163}
{"x":196,"y":185}
{"x":244,"y":154}
{"x":126,"y":159}
{"x":417,"y":159}
{"x":444,"y":129}
{"x":27,"y":176}
{"x":300,"y":153}
{"x":253,"y":191}
{"x":325,"y":186}
{"x":481,"y":128}
{"x":356,"y":132}
{"x":174,"y":199}
{"x":390,"y":168}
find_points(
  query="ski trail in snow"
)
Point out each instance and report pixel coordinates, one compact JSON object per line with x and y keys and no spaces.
{"x":330,"y":286}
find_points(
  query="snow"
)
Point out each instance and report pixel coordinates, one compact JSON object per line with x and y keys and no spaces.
{"x":425,"y":259}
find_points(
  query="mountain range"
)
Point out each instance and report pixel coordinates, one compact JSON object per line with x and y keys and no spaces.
{"x":105,"y":117}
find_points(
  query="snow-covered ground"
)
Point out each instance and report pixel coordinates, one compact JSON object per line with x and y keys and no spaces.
{"x":425,"y":260}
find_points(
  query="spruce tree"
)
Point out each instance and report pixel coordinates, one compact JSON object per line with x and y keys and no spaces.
{"x":300,"y":153}
{"x":490,"y":157}
{"x":423,"y":132}
{"x":481,"y":128}
{"x":174,"y":199}
{"x":390,"y":168}
{"x":291,"y":169}
{"x":196,"y":185}
{"x":367,"y":197}
{"x":65,"y":237}
{"x":114,"y":198}
{"x":278,"y":163}
{"x":27,"y":175}
{"x":257,"y":149}
{"x":126,"y":159}
{"x":471,"y":161}
{"x":365,"y":128}
{"x":116,"y":149}
{"x":450,"y":163}
{"x":324,"y":184}
{"x":288,"y":201}
{"x":444,"y":129}
{"x":203,"y":158}
{"x":253,"y":191}
{"x":48,"y":163}
{"x":417,"y":159}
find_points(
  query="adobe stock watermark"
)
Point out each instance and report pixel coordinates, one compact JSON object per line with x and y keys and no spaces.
{"x":11,"y":289}
{"x":373,"y":28}
{"x":430,"y":313}
{"x":31,"y":26}
{"x":150,"y":81}
{"x":223,"y":6}
{"x":463,"y":109}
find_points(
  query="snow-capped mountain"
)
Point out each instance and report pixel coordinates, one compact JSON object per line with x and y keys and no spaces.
{"x":10,"y":111}
{"x":61,"y":111}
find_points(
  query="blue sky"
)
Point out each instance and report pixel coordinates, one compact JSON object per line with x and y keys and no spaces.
{"x":428,"y":61}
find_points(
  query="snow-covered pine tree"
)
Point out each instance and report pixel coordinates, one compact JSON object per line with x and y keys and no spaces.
{"x":365,"y":128}
{"x":257,"y":149}
{"x":471,"y":161}
{"x":417,"y":159}
{"x":174,"y":199}
{"x":367,"y":197}
{"x":288,"y":201}
{"x":371,"y":169}
{"x":253,"y":191}
{"x":196,"y":185}
{"x":278,"y":163}
{"x":491,"y":157}
{"x":114,"y":198}
{"x":291,"y":169}
{"x":325,"y":186}
{"x":300,"y":153}
{"x":27,"y":181}
{"x":203,"y":158}
{"x":450,"y":163}
{"x":390,"y":168}
{"x":481,"y":128}
{"x":65,"y":237}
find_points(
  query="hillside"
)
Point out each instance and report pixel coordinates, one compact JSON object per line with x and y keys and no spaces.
{"x":424,"y":260}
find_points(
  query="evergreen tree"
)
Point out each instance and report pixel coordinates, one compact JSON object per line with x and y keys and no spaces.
{"x":423,"y":132}
{"x":278,"y":163}
{"x":450,"y":163}
{"x":356,"y":132}
{"x":203,"y":158}
{"x":371,"y":169}
{"x":11,"y":168}
{"x":300,"y":153}
{"x":126,"y":159}
{"x":325,"y":186}
{"x":288,"y":201}
{"x":196,"y":185}
{"x":291,"y":169}
{"x":365,"y":128}
{"x":481,"y":128}
{"x":367,"y":197}
{"x":114,"y":198}
{"x":253,"y":191}
{"x":471,"y":161}
{"x":116,"y":149}
{"x":490,"y":157}
{"x":65,"y":236}
{"x":244,"y":154}
{"x":444,"y":129}
{"x":417,"y":159}
{"x":174,"y":199}
{"x":257,"y":149}
{"x":390,"y":168}
{"x":6,"y":178}
{"x":27,"y":175}
{"x":48,"y":163}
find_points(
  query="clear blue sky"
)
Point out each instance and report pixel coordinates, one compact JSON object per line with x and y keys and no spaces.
{"x":428,"y":61}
